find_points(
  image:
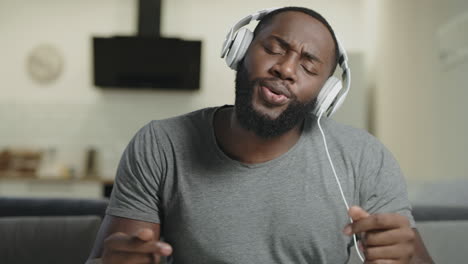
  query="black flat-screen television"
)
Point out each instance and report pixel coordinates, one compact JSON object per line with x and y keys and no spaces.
{"x":146,"y":62}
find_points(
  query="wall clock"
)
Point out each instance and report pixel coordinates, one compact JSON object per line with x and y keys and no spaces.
{"x":44,"y":63}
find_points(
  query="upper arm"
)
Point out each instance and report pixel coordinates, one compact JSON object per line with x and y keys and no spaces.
{"x":113,"y":224}
{"x":137,"y":188}
{"x":382,"y":184}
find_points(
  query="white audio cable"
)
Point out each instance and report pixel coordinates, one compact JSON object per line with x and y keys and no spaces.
{"x":337,"y":181}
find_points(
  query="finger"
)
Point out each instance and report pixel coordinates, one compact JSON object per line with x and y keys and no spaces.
{"x":382,"y":261}
{"x":389,"y":237}
{"x":126,"y":257}
{"x":163,"y":249}
{"x":379,"y":222}
{"x":357,"y":213}
{"x":147,"y":234}
{"x":400,"y":252}
{"x":126,"y":243}
{"x":144,"y":234}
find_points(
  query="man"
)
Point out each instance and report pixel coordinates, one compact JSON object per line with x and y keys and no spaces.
{"x":251,"y":183}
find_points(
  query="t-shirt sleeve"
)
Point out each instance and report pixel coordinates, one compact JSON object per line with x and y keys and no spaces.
{"x":136,"y":190}
{"x":383,"y":187}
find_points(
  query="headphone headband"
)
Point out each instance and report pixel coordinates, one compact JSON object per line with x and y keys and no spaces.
{"x":243,"y":22}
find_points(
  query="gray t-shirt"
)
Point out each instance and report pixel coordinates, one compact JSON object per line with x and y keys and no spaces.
{"x":214,"y":209}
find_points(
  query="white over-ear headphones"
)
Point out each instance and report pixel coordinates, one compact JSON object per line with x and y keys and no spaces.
{"x":332,"y":94}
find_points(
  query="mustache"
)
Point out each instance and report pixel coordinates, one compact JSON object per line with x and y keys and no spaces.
{"x":271,"y":82}
{"x":278,"y":86}
{"x":244,"y":86}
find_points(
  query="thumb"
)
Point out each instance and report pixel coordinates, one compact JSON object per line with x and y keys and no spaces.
{"x":144,"y":234}
{"x":357,"y":213}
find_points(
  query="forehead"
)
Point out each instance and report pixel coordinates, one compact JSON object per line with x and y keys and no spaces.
{"x":302,"y":30}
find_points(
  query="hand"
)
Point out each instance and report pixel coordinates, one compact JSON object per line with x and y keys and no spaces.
{"x":141,"y":247}
{"x":388,"y":238}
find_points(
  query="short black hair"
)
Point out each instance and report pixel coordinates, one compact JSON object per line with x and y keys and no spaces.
{"x":266,"y":20}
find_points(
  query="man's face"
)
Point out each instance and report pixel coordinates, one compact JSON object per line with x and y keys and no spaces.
{"x":282,"y":73}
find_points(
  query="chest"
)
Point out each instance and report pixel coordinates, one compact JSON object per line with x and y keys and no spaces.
{"x":282,"y":213}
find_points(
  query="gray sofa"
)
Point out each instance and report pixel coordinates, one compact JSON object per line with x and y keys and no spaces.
{"x":63,"y":230}
{"x":48,"y":231}
{"x":444,"y":230}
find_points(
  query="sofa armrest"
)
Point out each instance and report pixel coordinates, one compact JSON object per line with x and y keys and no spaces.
{"x":47,"y":239}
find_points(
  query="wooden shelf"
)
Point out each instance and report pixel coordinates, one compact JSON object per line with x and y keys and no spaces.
{"x":54,"y":187}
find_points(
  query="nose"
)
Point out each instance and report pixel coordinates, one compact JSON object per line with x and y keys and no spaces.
{"x":285,"y":68}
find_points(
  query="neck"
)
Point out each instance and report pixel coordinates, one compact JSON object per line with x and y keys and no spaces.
{"x":247,"y":147}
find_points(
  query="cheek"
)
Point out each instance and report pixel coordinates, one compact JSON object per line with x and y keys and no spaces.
{"x":309,"y":91}
{"x":256,"y":63}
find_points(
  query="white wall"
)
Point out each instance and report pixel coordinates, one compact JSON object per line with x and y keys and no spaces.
{"x":421,"y":109}
{"x":71,"y":114}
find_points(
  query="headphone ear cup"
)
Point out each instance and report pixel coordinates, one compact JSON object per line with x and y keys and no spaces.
{"x":327,"y":95}
{"x":239,"y":47}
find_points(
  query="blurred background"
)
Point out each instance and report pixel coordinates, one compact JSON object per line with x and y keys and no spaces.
{"x":62,"y":135}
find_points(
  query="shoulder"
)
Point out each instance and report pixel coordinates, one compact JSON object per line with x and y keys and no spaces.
{"x":352,"y":144}
{"x":186,"y":122}
{"x":177,"y":131}
{"x":346,"y":135}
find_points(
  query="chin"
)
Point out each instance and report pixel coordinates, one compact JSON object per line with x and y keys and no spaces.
{"x":265,"y":109}
{"x":271,"y":112}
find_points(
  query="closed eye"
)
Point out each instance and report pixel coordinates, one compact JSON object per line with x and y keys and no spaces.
{"x":310,"y":72}
{"x":270,"y":51}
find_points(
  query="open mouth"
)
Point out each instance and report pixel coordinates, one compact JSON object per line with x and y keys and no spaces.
{"x":276,"y":87}
{"x":273,"y":96}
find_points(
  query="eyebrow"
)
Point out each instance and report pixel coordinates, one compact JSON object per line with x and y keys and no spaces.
{"x":305,"y":54}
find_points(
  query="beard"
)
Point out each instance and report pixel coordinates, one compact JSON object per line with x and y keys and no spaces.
{"x":261,"y":124}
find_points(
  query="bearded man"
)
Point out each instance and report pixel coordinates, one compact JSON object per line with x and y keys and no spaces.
{"x":251,"y":183}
